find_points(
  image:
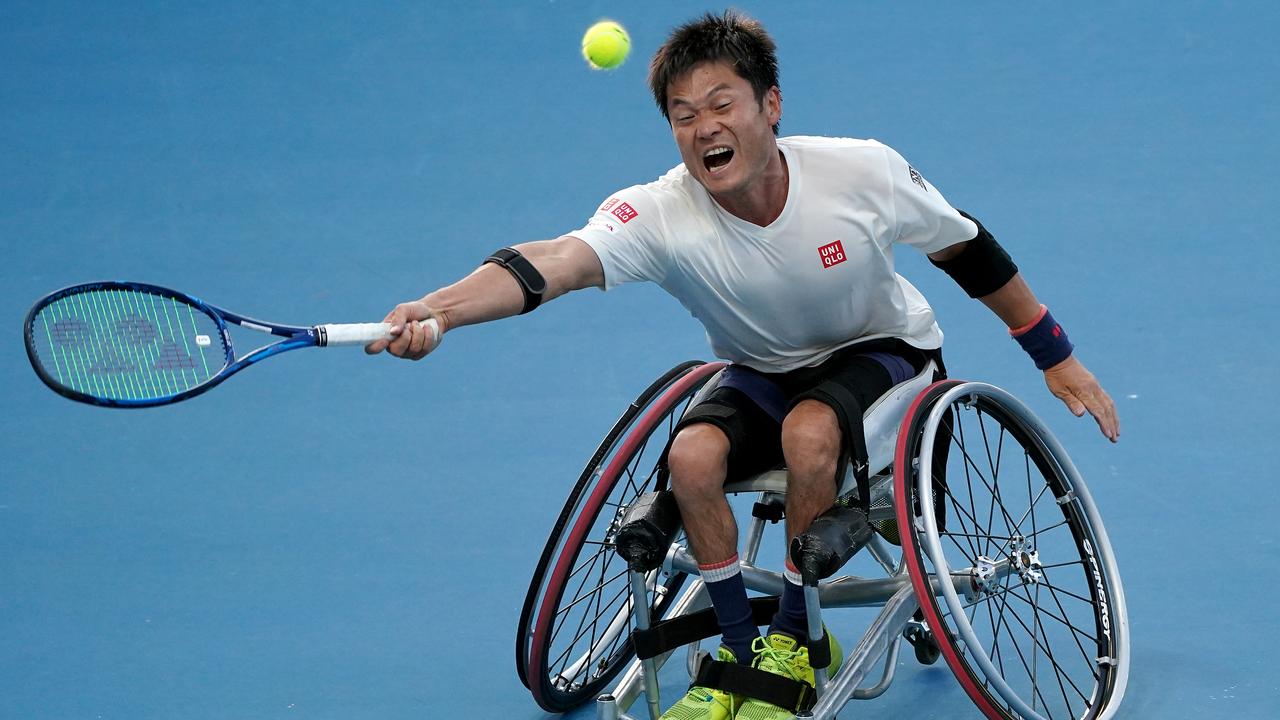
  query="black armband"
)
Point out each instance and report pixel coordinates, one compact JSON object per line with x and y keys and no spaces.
{"x":531,"y":281}
{"x":983,"y":267}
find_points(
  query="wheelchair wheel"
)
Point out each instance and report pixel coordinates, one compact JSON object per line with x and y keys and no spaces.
{"x":1009,"y":557}
{"x":575,"y":628}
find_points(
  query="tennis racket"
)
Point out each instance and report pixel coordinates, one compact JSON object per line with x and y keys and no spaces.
{"x":131,"y":345}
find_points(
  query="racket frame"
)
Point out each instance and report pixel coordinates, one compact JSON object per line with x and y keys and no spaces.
{"x":295,"y":336}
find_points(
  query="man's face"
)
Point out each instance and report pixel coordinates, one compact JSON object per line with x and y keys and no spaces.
{"x":725,"y":137}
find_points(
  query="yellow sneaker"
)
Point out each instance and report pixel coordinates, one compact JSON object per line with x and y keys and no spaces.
{"x":782,"y":654}
{"x":702,"y":703}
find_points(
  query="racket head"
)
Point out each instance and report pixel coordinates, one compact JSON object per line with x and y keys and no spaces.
{"x":126,"y":344}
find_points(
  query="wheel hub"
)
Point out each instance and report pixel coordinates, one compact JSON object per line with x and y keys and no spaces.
{"x":1025,"y":560}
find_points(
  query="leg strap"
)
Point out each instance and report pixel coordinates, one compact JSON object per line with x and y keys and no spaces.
{"x":679,"y":631}
{"x":676,"y":632}
{"x":849,"y":414}
{"x":784,"y":692}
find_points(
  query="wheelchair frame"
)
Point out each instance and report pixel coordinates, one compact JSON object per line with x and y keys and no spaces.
{"x":903,"y":430}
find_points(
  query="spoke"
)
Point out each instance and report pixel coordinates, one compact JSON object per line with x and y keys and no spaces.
{"x":960,"y":516}
{"x":1063,"y":564}
{"x":958,"y":437}
{"x":969,"y":464}
{"x":1067,"y":592}
{"x":1031,"y":504}
{"x":1035,"y":687}
{"x":592,"y":592}
{"x":1036,"y":605}
{"x":1053,"y":594}
{"x":995,"y":496}
{"x":970,"y":535}
{"x":1060,"y":672}
{"x":1035,"y":647}
{"x":1047,"y":529}
{"x":1031,"y":508}
{"x":589,"y":562}
{"x":562,"y":658}
{"x":995,"y":637}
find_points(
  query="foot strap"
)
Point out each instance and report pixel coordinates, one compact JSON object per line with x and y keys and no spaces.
{"x":679,"y":631}
{"x":784,"y":692}
{"x":676,"y":632}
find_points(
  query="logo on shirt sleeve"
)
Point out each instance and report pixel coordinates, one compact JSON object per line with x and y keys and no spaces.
{"x":624,"y":212}
{"x":831,"y":254}
{"x":917,"y":178}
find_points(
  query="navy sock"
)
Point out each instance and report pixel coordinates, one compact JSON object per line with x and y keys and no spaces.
{"x":791,"y":618}
{"x":729,"y":598}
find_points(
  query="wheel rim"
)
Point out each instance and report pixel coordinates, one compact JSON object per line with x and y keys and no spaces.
{"x":581,"y":635}
{"x":1033,"y":622}
{"x":612,"y":440}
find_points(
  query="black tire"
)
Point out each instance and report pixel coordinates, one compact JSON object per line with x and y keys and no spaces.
{"x":623,"y":467}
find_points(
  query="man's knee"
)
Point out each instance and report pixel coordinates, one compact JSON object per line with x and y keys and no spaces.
{"x":811,"y":438}
{"x":698,"y":458}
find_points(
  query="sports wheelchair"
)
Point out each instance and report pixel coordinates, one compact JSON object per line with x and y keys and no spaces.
{"x":992,"y":554}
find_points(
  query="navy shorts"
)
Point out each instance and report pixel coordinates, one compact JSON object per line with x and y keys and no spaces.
{"x":749,"y":405}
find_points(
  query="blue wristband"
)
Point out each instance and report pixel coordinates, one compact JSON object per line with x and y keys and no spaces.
{"x":1044,"y":340}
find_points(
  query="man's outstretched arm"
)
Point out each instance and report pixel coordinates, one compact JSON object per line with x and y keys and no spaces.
{"x":1014,"y":303}
{"x":489,"y":293}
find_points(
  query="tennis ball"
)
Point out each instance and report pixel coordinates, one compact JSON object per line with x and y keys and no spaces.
{"x":605,"y":45}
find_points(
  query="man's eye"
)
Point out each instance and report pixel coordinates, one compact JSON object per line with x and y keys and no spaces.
{"x":723,"y":105}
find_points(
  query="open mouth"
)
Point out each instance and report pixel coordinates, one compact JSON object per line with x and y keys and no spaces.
{"x":716,"y":158}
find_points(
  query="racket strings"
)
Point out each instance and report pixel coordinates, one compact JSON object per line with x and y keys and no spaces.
{"x":124,"y":344}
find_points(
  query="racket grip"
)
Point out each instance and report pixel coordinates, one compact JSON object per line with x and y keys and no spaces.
{"x":365,"y":333}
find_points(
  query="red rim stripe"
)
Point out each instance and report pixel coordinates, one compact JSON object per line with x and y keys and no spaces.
{"x":590,"y":507}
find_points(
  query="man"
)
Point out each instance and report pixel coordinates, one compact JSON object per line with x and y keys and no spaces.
{"x":782,"y":248}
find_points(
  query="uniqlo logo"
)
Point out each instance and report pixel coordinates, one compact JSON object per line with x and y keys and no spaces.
{"x":625,"y":213}
{"x":832,"y":254}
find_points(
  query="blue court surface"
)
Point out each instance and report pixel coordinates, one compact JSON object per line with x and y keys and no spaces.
{"x":334,"y":536}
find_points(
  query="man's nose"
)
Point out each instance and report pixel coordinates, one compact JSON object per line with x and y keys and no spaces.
{"x":708,"y":128}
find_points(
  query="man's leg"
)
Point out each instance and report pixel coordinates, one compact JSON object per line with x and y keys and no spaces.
{"x":811,"y":444}
{"x":698,"y":461}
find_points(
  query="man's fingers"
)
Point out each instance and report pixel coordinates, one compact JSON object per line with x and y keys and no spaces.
{"x":410,"y":337}
{"x":399,"y":345}
{"x":1076,"y":407}
{"x":1103,"y":411}
{"x":417,"y":348}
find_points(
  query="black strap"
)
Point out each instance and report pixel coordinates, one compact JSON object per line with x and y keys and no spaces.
{"x":820,"y":650}
{"x":784,"y":692}
{"x":982,"y":267}
{"x":681,"y":630}
{"x":842,"y":399}
{"x":532,"y":284}
{"x":771,"y":511}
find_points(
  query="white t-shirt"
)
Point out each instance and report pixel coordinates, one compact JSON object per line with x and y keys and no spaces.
{"x":818,"y":278}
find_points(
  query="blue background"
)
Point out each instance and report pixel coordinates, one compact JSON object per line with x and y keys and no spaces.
{"x":334,"y":536}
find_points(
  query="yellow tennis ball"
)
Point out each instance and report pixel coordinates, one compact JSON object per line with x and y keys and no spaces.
{"x":605,"y":45}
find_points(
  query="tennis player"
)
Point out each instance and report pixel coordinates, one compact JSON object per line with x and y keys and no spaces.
{"x":783,"y":249}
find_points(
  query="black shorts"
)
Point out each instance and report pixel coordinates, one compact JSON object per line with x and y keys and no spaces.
{"x":749,"y":405}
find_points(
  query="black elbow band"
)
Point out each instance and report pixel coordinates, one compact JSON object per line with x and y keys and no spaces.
{"x":531,"y":281}
{"x":983,"y":267}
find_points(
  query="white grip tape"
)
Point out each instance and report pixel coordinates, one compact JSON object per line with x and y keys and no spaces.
{"x":365,"y":333}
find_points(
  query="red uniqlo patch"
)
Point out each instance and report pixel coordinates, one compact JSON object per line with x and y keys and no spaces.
{"x":625,"y":213}
{"x":832,"y":254}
